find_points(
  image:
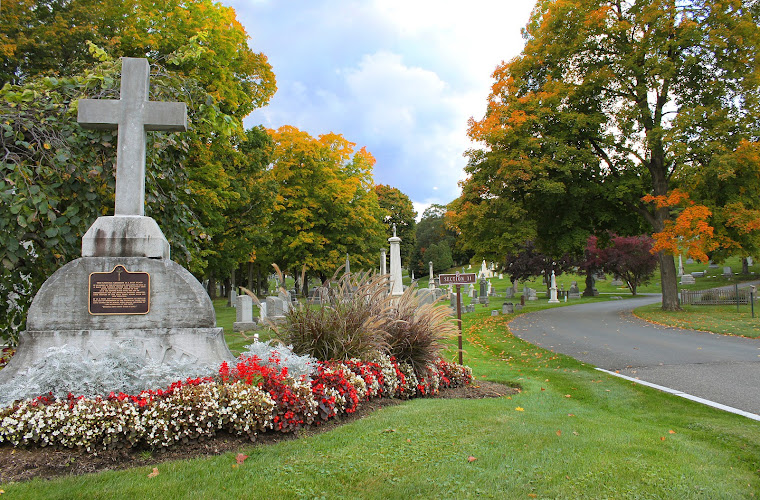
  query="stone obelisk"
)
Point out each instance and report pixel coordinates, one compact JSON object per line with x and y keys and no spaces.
{"x":397,"y":285}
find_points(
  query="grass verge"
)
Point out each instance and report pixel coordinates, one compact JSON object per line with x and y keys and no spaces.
{"x":572,"y":433}
{"x":717,"y":319}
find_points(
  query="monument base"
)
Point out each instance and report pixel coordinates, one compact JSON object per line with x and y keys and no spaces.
{"x":96,"y":304}
{"x":244,"y":326}
{"x":204,"y":347}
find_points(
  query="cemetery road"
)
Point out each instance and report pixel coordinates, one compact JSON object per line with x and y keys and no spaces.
{"x":719,"y":368}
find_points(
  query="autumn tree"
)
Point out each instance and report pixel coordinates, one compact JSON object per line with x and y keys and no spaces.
{"x":48,"y":37}
{"x":396,"y":208}
{"x":326,"y":204}
{"x":628,"y":257}
{"x":616,"y":100}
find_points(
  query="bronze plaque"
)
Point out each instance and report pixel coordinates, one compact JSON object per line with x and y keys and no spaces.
{"x":119,"y":292}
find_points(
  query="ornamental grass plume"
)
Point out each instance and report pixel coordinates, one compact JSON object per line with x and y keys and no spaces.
{"x":350,"y":323}
{"x":415,"y":331}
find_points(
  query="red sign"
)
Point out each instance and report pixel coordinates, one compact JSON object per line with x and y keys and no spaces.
{"x":457,"y":279}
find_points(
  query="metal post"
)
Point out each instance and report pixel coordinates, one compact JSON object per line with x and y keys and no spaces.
{"x":736,"y":294}
{"x":752,"y":299}
{"x":459,"y":319}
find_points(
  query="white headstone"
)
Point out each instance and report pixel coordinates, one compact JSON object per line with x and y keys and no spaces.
{"x":553,"y":291}
{"x":383,"y":262}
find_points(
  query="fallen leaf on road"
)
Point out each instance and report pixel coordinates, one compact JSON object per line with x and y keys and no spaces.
{"x":240,"y":458}
{"x":671,"y":431}
{"x":559,"y":432}
{"x":471,"y":458}
{"x":519,"y":408}
{"x":154,"y":473}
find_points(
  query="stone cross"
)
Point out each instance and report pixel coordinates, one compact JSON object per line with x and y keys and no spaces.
{"x":133,"y":115}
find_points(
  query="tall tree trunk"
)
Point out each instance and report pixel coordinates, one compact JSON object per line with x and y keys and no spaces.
{"x":745,"y":266}
{"x":226,"y":289}
{"x":668,"y":282}
{"x":212,"y":286}
{"x":250,"y":277}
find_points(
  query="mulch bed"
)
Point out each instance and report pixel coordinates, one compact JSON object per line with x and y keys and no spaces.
{"x":21,"y":464}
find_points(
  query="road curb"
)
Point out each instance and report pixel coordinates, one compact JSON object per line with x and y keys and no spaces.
{"x":703,"y":401}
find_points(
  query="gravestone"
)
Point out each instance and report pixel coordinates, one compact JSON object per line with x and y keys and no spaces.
{"x":616,"y":282}
{"x":553,"y":290}
{"x":494,"y":313}
{"x":244,"y":314}
{"x":574,"y":292}
{"x":727,"y":272}
{"x":233,"y":298}
{"x":453,"y":301}
{"x":263,"y":311}
{"x":687,"y":279}
{"x":425,"y":296}
{"x":530,"y":293}
{"x":275,"y":308}
{"x":124,"y":290}
{"x":507,"y":308}
{"x":483,"y":295}
{"x":431,"y":280}
{"x":510,"y":293}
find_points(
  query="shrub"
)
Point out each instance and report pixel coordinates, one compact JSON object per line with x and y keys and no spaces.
{"x":281,"y":356}
{"x":350,"y":325}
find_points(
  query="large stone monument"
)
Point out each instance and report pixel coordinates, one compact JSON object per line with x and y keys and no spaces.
{"x":124,"y":290}
{"x":397,"y":285}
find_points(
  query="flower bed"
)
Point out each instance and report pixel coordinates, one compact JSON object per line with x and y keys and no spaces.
{"x":251,"y":397}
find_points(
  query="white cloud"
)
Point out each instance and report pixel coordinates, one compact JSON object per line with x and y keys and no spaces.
{"x":398,"y":76}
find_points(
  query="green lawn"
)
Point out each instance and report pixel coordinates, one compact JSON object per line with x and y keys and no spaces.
{"x":571,"y":433}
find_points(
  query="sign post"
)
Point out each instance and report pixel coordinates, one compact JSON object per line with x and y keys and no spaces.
{"x":458,"y":279}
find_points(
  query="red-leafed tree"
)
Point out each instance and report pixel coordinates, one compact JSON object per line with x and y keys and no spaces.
{"x":628,"y":257}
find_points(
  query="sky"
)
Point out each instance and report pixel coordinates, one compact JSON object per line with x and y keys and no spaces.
{"x":401,"y":77}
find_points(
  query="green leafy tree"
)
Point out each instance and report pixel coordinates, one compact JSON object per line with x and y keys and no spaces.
{"x":325,"y":206}
{"x":397,"y":208}
{"x":613,"y":101}
{"x":432,"y":231}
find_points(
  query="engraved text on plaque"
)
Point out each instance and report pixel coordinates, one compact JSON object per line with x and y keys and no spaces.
{"x":119,"y":292}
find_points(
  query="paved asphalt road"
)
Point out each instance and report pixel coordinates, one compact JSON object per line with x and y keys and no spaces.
{"x":719,"y":368}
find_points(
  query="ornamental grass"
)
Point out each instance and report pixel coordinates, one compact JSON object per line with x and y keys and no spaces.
{"x":357,"y":318}
{"x":349,"y":323}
